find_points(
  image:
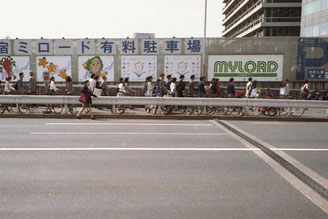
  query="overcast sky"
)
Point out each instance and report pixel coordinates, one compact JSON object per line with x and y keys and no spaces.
{"x":108,"y":18}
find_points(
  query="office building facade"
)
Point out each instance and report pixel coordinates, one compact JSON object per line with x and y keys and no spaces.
{"x":260,"y":18}
{"x":314,"y":18}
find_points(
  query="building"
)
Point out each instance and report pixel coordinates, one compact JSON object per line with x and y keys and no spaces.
{"x":314,"y":18}
{"x":259,"y":18}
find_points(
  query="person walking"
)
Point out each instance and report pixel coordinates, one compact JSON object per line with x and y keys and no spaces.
{"x":181,"y":86}
{"x":120,"y":88}
{"x":305,"y":90}
{"x":191,"y":87}
{"x":145,"y":87}
{"x":97,"y":88}
{"x":162,"y":84}
{"x":249,"y":87}
{"x":213,"y":87}
{"x":104,"y":87}
{"x":149,"y":91}
{"x":168,"y":83}
{"x":284,"y":89}
{"x":32,"y":83}
{"x":254,"y":90}
{"x":218,"y":88}
{"x":231,"y":88}
{"x":127,"y":89}
{"x":53,"y":89}
{"x":86,"y":100}
{"x":92,"y":82}
{"x":173,"y":87}
{"x":158,"y":88}
{"x":20,"y":85}
{"x":150,"y":87}
{"x":201,"y":87}
{"x":69,"y":86}
{"x":173,"y":90}
{"x":8,"y":87}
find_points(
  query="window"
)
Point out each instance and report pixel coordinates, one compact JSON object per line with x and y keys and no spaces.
{"x":308,"y":32}
{"x":315,"y":6}
{"x":324,"y":29}
{"x":308,"y":9}
{"x":316,"y":29}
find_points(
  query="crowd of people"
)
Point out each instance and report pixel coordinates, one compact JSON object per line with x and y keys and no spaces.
{"x":164,"y":86}
{"x":169,"y":86}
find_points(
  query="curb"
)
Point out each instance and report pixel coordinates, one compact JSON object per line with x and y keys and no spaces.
{"x":165,"y":117}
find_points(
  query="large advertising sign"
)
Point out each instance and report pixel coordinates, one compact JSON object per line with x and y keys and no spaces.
{"x":241,"y":67}
{"x":183,"y":65}
{"x":54,"y":66}
{"x":138,"y":68}
{"x":98,"y":65}
{"x":11,"y":66}
{"x":312,"y":59}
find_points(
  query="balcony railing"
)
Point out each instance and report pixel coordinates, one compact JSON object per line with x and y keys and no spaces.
{"x":247,"y":27}
{"x":243,"y":14}
{"x":282,"y":19}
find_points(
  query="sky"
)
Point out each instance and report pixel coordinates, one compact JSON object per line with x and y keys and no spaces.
{"x":27,"y":19}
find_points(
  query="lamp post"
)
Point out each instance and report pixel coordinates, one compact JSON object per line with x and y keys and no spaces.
{"x":204,"y":39}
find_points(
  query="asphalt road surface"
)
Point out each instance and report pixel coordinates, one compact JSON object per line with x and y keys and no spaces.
{"x":61,"y":168}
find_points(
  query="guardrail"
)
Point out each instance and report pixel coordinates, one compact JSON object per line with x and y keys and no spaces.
{"x":246,"y":102}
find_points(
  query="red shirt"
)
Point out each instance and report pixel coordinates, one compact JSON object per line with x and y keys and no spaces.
{"x":218,"y":91}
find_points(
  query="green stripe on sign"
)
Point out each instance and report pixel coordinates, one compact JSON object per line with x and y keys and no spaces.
{"x":263,"y":75}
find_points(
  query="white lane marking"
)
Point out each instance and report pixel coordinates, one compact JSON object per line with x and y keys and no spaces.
{"x":293,"y":180}
{"x":121,"y":133}
{"x":299,"y":149}
{"x":131,"y":124}
{"x":264,"y":123}
{"x":151,"y":149}
{"x":129,"y":149}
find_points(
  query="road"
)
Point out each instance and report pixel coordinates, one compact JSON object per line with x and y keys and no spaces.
{"x":66,"y":168}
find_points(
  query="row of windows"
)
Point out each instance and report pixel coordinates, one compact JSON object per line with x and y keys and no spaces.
{"x":315,"y":6}
{"x":317,"y":30}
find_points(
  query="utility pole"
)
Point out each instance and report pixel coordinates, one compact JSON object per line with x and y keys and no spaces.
{"x":204,"y":40}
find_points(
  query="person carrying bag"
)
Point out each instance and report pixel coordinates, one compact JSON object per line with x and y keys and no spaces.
{"x":85,"y":99}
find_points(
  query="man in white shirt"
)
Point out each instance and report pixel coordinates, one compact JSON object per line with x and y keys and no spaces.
{"x":92,"y":82}
{"x":8,"y":86}
{"x":53,"y":89}
{"x":284,"y":89}
{"x":173,"y":87}
{"x":249,"y":87}
{"x":120,"y":88}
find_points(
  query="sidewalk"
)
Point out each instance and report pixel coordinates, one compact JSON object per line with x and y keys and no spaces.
{"x":140,"y":113}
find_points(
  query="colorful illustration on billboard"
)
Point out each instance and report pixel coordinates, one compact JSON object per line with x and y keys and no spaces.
{"x":11,"y":66}
{"x":54,"y":66}
{"x":138,"y":68}
{"x":183,"y":65}
{"x":98,"y":65}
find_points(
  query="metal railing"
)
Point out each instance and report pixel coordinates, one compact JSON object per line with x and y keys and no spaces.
{"x":243,"y":102}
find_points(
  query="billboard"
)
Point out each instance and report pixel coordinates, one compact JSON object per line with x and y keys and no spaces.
{"x":99,"y":65}
{"x":13,"y":65}
{"x":183,"y":65}
{"x":138,"y":68}
{"x":53,"y":66}
{"x":241,"y":67}
{"x":312,"y":58}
